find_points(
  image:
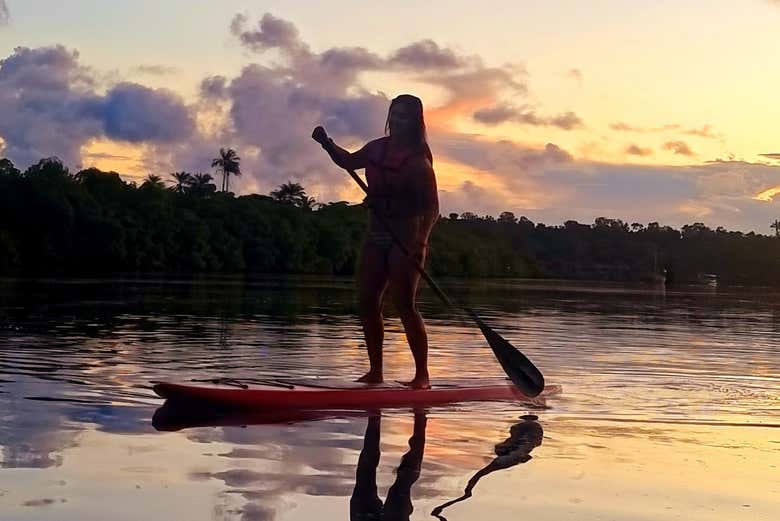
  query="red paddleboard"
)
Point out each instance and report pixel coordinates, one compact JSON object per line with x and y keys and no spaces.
{"x":302,"y":397}
{"x":171,"y":417}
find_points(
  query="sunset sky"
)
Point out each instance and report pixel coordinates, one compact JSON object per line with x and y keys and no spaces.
{"x":637,"y":110}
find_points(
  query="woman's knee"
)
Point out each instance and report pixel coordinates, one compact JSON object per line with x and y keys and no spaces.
{"x":407,"y":310}
{"x":369,"y":306}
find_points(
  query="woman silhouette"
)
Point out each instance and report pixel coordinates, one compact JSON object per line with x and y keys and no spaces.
{"x":402,"y":189}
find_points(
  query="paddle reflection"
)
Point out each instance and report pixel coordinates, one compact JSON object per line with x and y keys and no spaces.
{"x":516,"y":449}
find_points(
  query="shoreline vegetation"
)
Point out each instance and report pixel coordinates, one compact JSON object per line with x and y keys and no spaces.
{"x":54,"y":222}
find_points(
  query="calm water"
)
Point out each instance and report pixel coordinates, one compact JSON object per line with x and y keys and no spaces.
{"x":670,"y":406}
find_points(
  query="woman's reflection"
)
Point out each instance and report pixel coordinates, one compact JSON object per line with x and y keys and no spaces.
{"x":523,"y":438}
{"x":365,"y":503}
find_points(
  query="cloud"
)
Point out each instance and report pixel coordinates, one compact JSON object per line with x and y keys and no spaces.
{"x":135,"y":113}
{"x":271,"y":32}
{"x":104,"y":155}
{"x":5,"y":15}
{"x":471,"y":197}
{"x":495,"y":156}
{"x":526,"y":116}
{"x":705,"y":131}
{"x":496,"y":115}
{"x":620,"y":126}
{"x":333,"y":71}
{"x":549,"y":185}
{"x":213,"y":87}
{"x":45,"y":101}
{"x":776,"y":155}
{"x":426,"y":55}
{"x":636,"y":150}
{"x":271,"y":106}
{"x":478,"y":82}
{"x":499,"y":175}
{"x":576,"y":75}
{"x":274,"y":114}
{"x":49,"y":105}
{"x":336,"y":69}
{"x":768,"y":195}
{"x":678,"y":147}
{"x":156,"y":70}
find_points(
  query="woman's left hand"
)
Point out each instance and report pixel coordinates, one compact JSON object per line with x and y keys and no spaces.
{"x":319,"y":135}
{"x":419,"y":250}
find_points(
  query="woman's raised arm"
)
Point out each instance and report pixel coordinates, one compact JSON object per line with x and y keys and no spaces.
{"x":343,"y":158}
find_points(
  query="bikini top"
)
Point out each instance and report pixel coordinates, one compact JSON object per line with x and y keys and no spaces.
{"x":391,"y":188}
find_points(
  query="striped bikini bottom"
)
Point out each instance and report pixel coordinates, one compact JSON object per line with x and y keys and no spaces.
{"x":380,"y":239}
{"x":383,"y":241}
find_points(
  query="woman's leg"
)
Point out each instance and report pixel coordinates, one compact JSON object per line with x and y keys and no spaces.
{"x":372,"y":283}
{"x":398,"y":505}
{"x":365,"y":502}
{"x":404,"y":279}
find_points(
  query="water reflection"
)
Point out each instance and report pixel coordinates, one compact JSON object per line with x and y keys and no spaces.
{"x":171,"y":417}
{"x":365,"y":504}
{"x":262,"y":489}
{"x":524,"y":437}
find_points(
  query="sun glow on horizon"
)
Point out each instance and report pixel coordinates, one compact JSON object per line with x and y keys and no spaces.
{"x":107,"y":155}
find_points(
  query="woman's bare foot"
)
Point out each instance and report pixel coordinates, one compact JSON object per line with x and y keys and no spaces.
{"x":371,"y":377}
{"x":419,"y":382}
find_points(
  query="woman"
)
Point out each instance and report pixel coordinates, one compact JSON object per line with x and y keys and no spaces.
{"x":402,"y":189}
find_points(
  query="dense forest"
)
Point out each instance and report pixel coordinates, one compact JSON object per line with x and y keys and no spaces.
{"x":56,"y":222}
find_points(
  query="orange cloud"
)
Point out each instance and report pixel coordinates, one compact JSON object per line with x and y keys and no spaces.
{"x":678,"y":147}
{"x":636,"y":150}
{"x":446,"y":116}
{"x":694,"y":209}
{"x":768,"y":195}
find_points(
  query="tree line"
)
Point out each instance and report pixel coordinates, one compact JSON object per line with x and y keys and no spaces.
{"x":55,"y":222}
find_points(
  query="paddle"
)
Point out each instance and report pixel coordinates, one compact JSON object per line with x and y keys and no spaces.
{"x":516,"y":365}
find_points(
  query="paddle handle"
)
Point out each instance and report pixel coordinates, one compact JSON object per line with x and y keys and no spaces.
{"x":397,"y":240}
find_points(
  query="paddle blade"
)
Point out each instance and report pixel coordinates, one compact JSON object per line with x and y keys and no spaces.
{"x":516,"y":365}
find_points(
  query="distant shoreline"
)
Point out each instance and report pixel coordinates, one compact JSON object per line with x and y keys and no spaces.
{"x":53,"y":223}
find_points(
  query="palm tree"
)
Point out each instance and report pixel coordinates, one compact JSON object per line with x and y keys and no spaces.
{"x":183,"y":181}
{"x":294,"y":194}
{"x":153,"y":181}
{"x":776,"y":226}
{"x":227,"y":162}
{"x":308,"y":203}
{"x":201,"y":184}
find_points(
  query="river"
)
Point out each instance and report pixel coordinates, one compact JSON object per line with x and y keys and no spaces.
{"x":670,"y":406}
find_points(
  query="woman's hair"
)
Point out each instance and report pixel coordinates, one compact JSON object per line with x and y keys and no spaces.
{"x":419,"y":138}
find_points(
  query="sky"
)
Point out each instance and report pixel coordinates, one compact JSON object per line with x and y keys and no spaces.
{"x":642,"y":111}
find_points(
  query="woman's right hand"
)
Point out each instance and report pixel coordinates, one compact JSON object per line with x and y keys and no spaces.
{"x":319,"y":135}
